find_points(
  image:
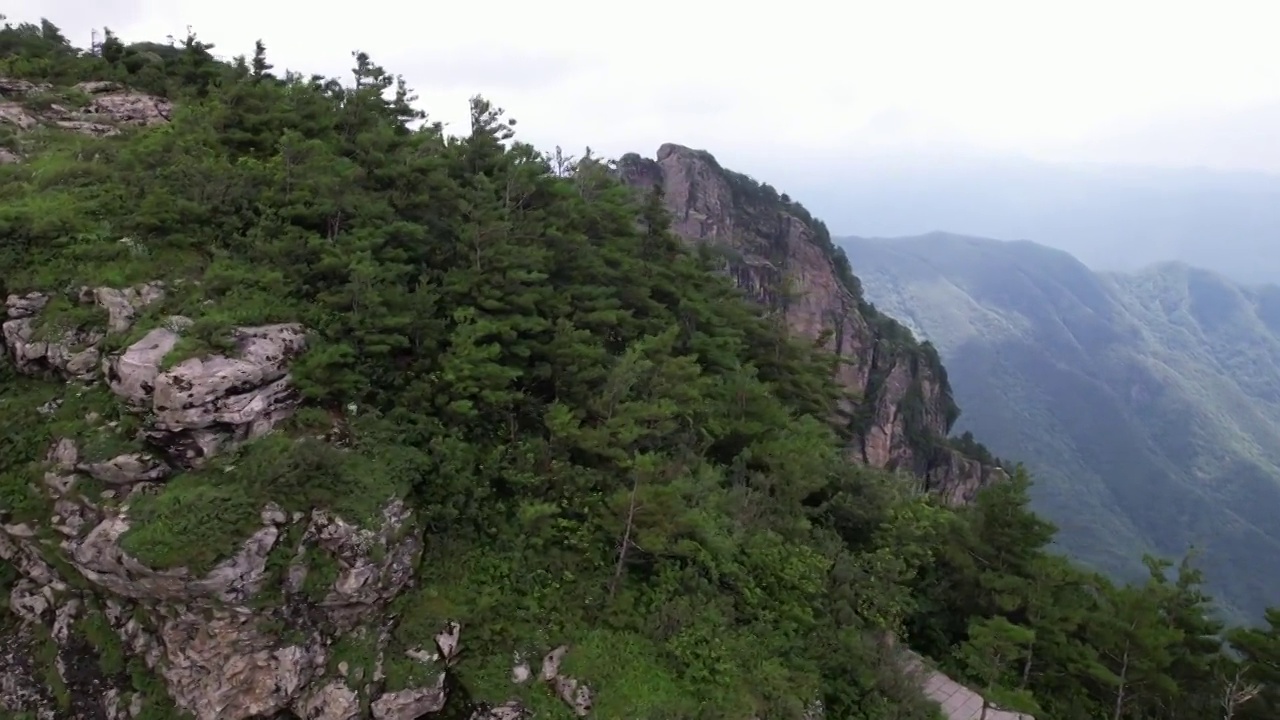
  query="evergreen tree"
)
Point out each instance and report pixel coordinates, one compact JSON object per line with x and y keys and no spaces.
{"x":1254,"y":694}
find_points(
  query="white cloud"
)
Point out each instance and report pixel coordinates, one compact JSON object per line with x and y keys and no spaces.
{"x":759,"y":82}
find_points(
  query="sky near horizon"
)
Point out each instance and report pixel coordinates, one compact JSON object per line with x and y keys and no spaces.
{"x":1129,"y":81}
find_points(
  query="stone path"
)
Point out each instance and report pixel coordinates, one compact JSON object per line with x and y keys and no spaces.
{"x":958,"y":702}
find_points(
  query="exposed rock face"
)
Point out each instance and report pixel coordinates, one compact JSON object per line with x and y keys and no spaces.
{"x":101,"y":109}
{"x":68,"y":350}
{"x":205,"y":404}
{"x":410,"y":704}
{"x":195,"y":409}
{"x":117,"y":105}
{"x":253,"y":636}
{"x":784,"y":260}
{"x":74,"y":354}
{"x":574,"y":694}
{"x":959,"y":479}
{"x":219,"y":657}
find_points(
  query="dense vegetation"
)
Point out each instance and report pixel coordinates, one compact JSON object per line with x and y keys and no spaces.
{"x":1147,"y":404}
{"x":763,"y":221}
{"x":607,"y":446}
{"x":750,"y":193}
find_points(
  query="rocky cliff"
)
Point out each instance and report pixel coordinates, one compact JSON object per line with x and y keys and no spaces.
{"x":296,"y":620}
{"x":899,"y":409}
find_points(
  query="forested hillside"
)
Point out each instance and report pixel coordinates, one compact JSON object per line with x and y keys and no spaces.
{"x":312,"y":411}
{"x":1147,"y":404}
{"x":899,"y":410}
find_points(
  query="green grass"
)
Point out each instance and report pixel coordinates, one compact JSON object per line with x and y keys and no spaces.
{"x":191,"y":523}
{"x":63,"y":315}
{"x":26,"y":435}
{"x":202,"y":517}
{"x":94,"y":627}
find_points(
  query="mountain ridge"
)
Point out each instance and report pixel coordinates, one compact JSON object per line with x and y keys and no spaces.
{"x":298,"y":423}
{"x":1112,"y":218}
{"x":1170,"y":359}
{"x":785,"y":260}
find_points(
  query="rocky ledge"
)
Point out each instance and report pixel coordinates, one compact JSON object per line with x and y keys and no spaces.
{"x":98,"y":108}
{"x":258,"y":634}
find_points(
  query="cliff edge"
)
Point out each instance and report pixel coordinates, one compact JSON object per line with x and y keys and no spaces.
{"x":899,"y":409}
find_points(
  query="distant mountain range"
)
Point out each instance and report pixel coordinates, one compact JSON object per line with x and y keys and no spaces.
{"x":1146,"y":404}
{"x":1109,"y":217}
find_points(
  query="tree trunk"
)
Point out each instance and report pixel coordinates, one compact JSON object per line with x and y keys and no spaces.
{"x":1026,"y":668}
{"x":1124,"y":672}
{"x":626,"y":539}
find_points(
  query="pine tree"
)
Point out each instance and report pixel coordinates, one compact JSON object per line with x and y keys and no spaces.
{"x":996,"y":648}
{"x":1260,"y":660}
{"x":1136,"y":646}
{"x":260,"y":65}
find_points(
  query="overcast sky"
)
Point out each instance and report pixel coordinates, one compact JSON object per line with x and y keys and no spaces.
{"x":1173,"y":83}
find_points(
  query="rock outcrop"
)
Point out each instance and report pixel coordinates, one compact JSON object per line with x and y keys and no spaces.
{"x":218,"y":654}
{"x":205,"y":404}
{"x":194,"y":409}
{"x":901,"y":408}
{"x":98,"y":108}
{"x":255,"y":635}
{"x":70,"y":349}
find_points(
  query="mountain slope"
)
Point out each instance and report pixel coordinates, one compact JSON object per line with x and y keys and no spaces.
{"x":899,"y":406}
{"x":1147,"y":405}
{"x":311,"y":410}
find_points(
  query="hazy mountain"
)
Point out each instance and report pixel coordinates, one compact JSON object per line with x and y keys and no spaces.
{"x":1111,"y":218}
{"x":1147,"y":404}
